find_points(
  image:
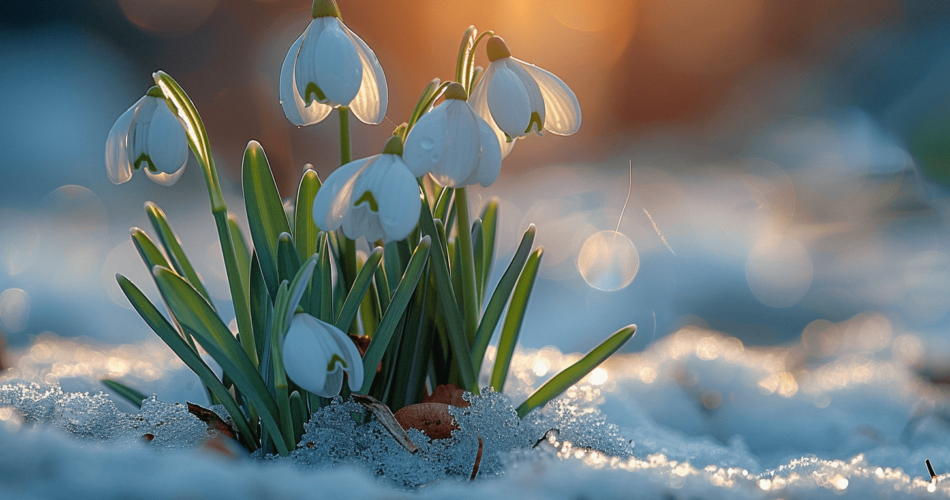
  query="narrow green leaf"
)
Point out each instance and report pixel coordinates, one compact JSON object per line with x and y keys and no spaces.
{"x":393,"y":263}
{"x":172,"y":245}
{"x":382,"y":285}
{"x":478,"y":249}
{"x":242,"y":310}
{"x":500,"y":297}
{"x":305,"y":230}
{"x":298,"y":415}
{"x":514,"y":319}
{"x":296,"y":291}
{"x":265,"y":212}
{"x":443,"y":204}
{"x":197,"y":318}
{"x":384,"y":333}
{"x":262,"y":309}
{"x":489,"y":230}
{"x":425,"y":100}
{"x":241,"y":252}
{"x":167,"y":333}
{"x":463,"y":72}
{"x":570,"y":375}
{"x":326,"y":281}
{"x":288,"y":262}
{"x":448,"y":305}
{"x":127,"y":393}
{"x":281,"y":305}
{"x":360,"y":286}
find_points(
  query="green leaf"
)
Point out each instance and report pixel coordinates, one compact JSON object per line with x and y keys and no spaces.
{"x":298,"y":415}
{"x":288,"y":262}
{"x":429,"y":94}
{"x":262,"y":309}
{"x":360,"y":286}
{"x":167,"y":333}
{"x":448,"y":305}
{"x":489,"y":228}
{"x":443,"y":204}
{"x":296,"y":291}
{"x":281,"y":305}
{"x":241,"y":253}
{"x":127,"y":393}
{"x":478,"y":249}
{"x":199,"y":320}
{"x":514,"y":319}
{"x":265,"y":212}
{"x":326,"y":280}
{"x":402,"y":294}
{"x":570,"y":375}
{"x":463,"y":70}
{"x":172,"y":245}
{"x":305,"y":230}
{"x":500,"y":297}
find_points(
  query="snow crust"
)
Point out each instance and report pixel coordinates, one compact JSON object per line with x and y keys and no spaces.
{"x":697,"y":415}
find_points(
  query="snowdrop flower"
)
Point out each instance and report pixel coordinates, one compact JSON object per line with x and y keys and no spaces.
{"x":148,"y":135}
{"x":375,"y":197}
{"x":316,"y":354}
{"x":515,"y":97}
{"x":329,"y":66}
{"x":454,"y":144}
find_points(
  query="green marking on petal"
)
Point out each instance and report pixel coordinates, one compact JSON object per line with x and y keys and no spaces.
{"x":535,"y":120}
{"x":148,"y":162}
{"x":333,"y":361}
{"x":369,"y":198}
{"x":313,"y":88}
{"x":508,"y":138}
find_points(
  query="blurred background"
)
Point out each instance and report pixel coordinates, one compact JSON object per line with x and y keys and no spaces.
{"x":786,"y":162}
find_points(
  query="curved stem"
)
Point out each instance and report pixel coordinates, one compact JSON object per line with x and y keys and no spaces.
{"x":346,"y":155}
{"x":469,"y":297}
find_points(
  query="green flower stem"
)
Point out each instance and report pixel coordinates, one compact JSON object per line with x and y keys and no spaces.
{"x":469,"y":298}
{"x":346,"y":150}
{"x":242,"y":310}
{"x":198,"y":140}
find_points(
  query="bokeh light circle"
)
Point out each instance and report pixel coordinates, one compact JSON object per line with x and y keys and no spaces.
{"x":14,"y":310}
{"x":608,"y":261}
{"x":779,"y":271}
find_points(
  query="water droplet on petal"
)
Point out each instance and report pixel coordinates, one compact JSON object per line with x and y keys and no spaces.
{"x":426,"y":143}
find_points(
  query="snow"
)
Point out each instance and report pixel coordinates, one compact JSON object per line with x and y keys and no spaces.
{"x":698,"y":414}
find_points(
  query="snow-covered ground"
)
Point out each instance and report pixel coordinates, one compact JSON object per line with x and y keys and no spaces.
{"x":696,"y":415}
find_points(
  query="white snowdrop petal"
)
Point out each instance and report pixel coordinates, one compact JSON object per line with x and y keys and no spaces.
{"x":369,"y":105}
{"x":351,"y":355}
{"x":304,"y":356}
{"x":167,"y":143}
{"x":118,"y":166}
{"x":426,"y":140}
{"x":307,"y":57}
{"x":327,"y":210}
{"x":508,"y":101}
{"x":479,"y":102}
{"x":460,"y":154}
{"x":535,"y":98}
{"x":563,"y":111}
{"x":295,"y":109}
{"x":138,"y":133}
{"x":361,"y":221}
{"x":398,"y":197}
{"x":489,"y":163}
{"x":338,"y":70}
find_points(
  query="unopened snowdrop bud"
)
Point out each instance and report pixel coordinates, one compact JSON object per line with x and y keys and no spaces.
{"x":375,"y":197}
{"x":454,"y":144}
{"x":329,"y":66}
{"x":517,"y":98}
{"x":148,"y":136}
{"x":316,"y":354}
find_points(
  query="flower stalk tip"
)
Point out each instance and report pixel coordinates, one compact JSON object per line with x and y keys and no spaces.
{"x":325,"y":8}
{"x":393,"y":146}
{"x":497,"y":48}
{"x":456,"y":91}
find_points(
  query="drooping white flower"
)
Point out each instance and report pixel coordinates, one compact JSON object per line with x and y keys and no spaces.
{"x":515,"y":97}
{"x":316,"y":354}
{"x":375,"y":197}
{"x":454,"y":144}
{"x":329,"y":66}
{"x":147,"y":135}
